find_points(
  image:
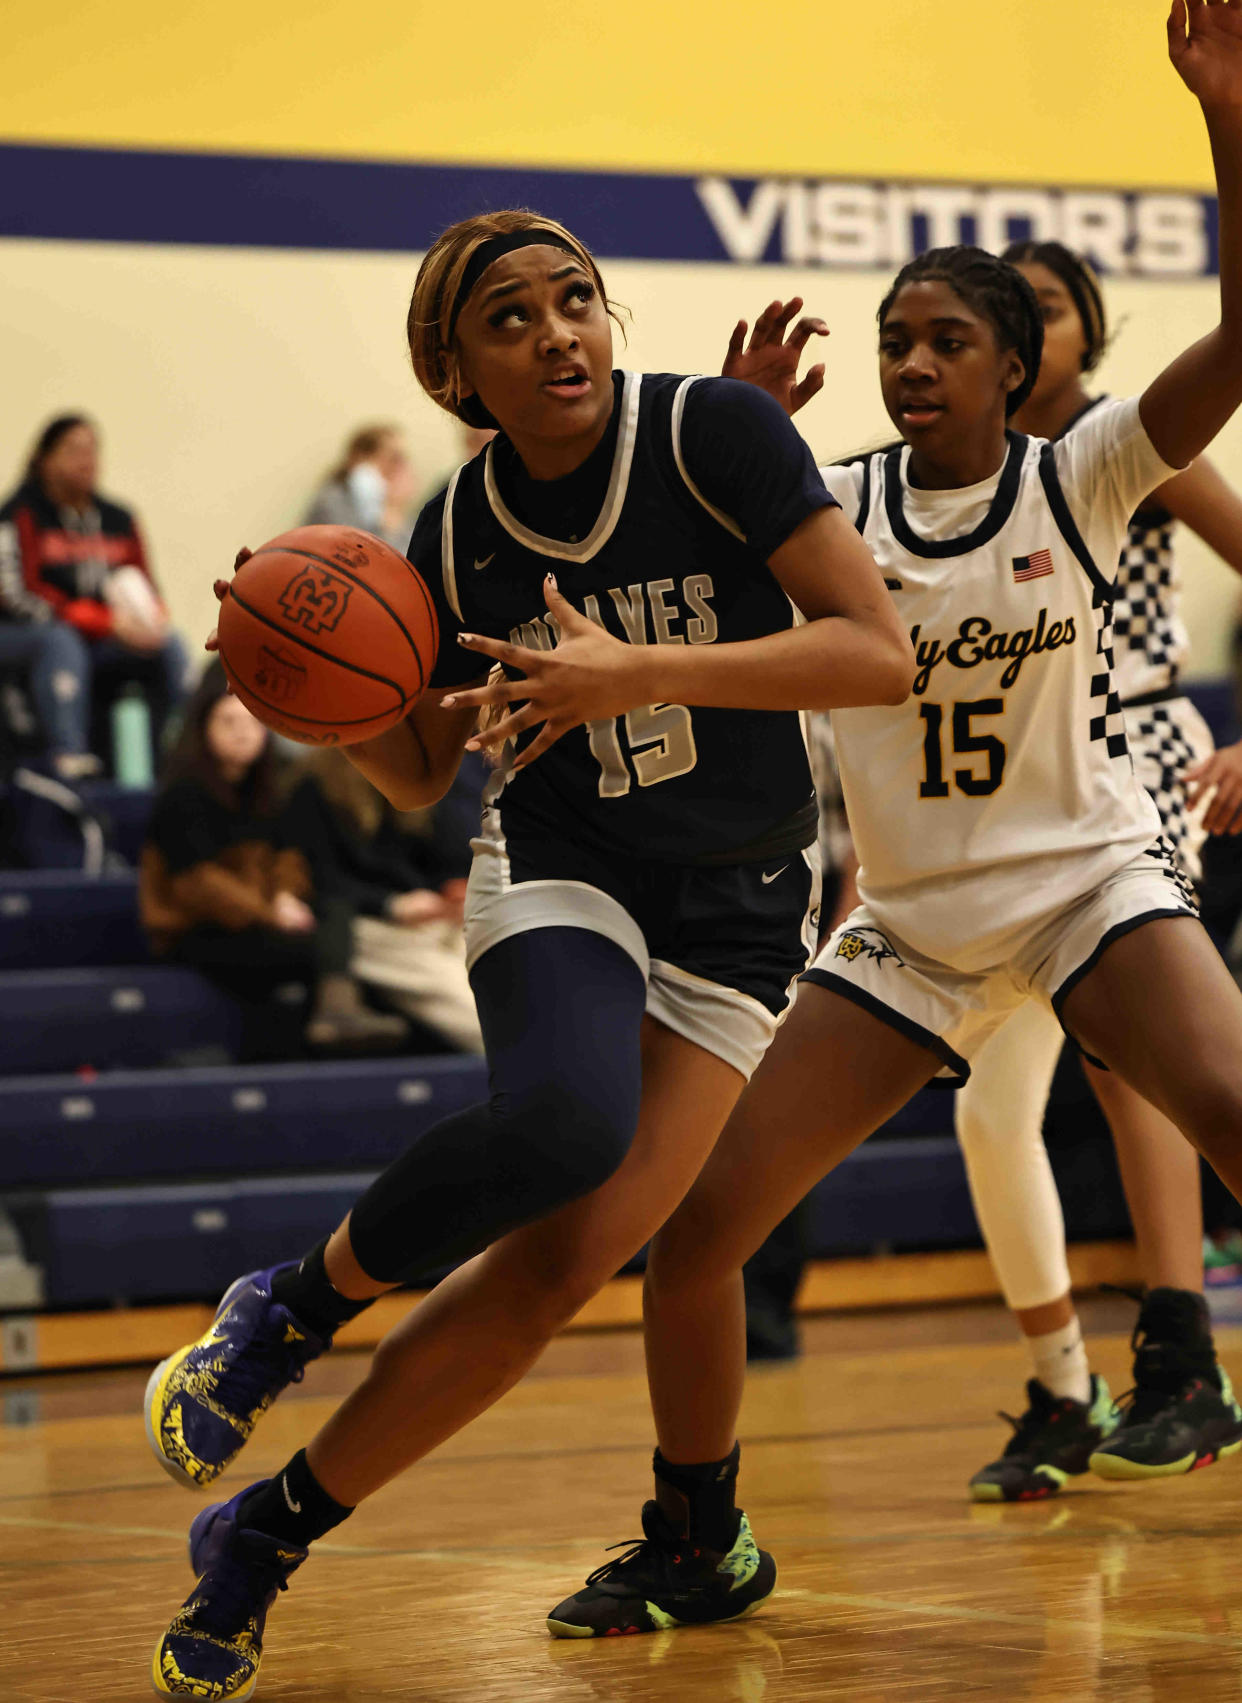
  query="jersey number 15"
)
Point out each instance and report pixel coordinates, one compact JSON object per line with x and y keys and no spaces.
{"x":966,"y":743}
{"x":661,"y":742}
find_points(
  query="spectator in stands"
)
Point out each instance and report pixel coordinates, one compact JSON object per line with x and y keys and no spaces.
{"x":224,"y":888}
{"x":79,"y":613}
{"x":406,"y":901}
{"x":372,"y":486}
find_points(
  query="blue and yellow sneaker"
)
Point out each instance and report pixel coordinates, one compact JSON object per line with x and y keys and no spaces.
{"x":215,"y":1643}
{"x":203,"y":1402}
{"x":1181,"y":1413}
{"x":661,"y":1582}
{"x":1051,"y":1442}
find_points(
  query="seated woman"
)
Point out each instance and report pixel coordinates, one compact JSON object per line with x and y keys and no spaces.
{"x":79,"y":613}
{"x":406,"y":902}
{"x":224,"y":889}
{"x":372,"y":486}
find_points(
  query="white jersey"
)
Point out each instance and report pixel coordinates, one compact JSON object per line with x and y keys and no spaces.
{"x":1003,"y":789}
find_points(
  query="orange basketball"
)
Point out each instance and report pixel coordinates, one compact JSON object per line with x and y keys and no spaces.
{"x":328,"y":635}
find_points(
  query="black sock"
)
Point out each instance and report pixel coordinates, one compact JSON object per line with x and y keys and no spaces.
{"x":308,"y":1293}
{"x":1176,"y":1330}
{"x":699,"y":1498}
{"x":293,"y":1506}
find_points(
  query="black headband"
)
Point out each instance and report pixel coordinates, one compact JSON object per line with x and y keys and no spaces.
{"x":1074,"y":272}
{"x":492,"y":250}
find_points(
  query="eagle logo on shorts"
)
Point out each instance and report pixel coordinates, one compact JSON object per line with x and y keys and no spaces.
{"x":315,"y":599}
{"x":869,"y":944}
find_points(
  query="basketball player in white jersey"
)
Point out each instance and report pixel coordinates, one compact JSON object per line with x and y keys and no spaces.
{"x":1007,"y":849}
{"x":1172,"y":1421}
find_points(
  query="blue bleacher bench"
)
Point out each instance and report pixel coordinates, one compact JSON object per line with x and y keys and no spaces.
{"x":60,"y":918}
{"x":61,"y":1020}
{"x":177,"y":1241}
{"x":224,"y":1121}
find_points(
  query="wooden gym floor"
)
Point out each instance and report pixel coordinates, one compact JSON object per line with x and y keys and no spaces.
{"x":893,"y":1586}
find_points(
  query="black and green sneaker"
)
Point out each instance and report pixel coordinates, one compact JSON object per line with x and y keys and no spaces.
{"x":661,"y":1582}
{"x":1051,"y":1442}
{"x":1181,"y":1413}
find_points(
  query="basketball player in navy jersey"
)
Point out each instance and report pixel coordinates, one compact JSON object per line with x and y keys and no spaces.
{"x":1007,"y":849}
{"x":628,"y":552}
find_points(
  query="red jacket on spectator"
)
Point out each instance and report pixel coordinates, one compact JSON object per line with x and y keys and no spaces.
{"x":55,"y":561}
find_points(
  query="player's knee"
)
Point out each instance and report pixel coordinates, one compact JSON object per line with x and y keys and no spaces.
{"x":688,"y":1255}
{"x":577,"y":1140}
{"x":977,"y":1134}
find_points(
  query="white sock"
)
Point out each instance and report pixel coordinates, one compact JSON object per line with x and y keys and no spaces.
{"x":1060,"y":1361}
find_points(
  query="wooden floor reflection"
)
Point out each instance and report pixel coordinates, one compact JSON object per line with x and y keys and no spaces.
{"x":893,"y":1586}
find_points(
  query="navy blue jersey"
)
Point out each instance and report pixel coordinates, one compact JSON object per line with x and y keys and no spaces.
{"x":664,"y":535}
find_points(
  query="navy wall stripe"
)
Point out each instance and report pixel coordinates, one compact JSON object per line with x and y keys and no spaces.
{"x":256,"y":201}
{"x":263,"y":201}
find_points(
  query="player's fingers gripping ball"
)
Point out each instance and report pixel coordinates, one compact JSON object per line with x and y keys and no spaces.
{"x":328,"y":635}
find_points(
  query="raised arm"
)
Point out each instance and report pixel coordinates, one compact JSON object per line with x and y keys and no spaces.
{"x":1183,"y":409}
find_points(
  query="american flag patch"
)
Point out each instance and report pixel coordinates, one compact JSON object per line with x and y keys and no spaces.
{"x":1034,"y":566}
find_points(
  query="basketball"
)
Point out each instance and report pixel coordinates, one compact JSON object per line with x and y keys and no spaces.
{"x":328,"y":635}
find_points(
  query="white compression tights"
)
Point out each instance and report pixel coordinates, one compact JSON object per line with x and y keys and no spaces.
{"x":1000,"y":1115}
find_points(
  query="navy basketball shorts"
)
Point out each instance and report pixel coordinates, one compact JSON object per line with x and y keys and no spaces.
{"x":720,"y":947}
{"x":953,"y":1012}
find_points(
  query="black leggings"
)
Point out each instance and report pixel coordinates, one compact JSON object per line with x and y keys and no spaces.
{"x":561,"y":1011}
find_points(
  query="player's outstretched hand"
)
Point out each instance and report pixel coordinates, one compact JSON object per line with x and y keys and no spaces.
{"x":1222,"y":771}
{"x":770,"y":360}
{"x":221,"y":589}
{"x":589,"y":676}
{"x":1205,"y":45}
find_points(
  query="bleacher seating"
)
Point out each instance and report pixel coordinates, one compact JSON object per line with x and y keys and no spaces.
{"x":155,"y":1242}
{"x":107,"y":1019}
{"x":131,"y":1181}
{"x":224,"y":1121}
{"x":61,"y":919}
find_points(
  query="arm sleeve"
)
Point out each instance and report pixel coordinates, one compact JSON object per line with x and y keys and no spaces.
{"x":747,"y":458}
{"x":454,"y":666}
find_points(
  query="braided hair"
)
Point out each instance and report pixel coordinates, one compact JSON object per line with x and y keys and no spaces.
{"x":1078,"y":276}
{"x":993,"y":289}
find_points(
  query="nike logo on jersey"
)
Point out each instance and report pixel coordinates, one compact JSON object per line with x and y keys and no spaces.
{"x":976,"y":642}
{"x":294,"y":1507}
{"x":768,"y":879}
{"x":479,"y":565}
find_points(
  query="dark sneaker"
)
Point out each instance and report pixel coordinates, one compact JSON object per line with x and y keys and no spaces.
{"x":215,"y":1643}
{"x":661,"y":1582}
{"x":1051,"y":1442}
{"x":1181,"y":1413}
{"x":203,"y":1402}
